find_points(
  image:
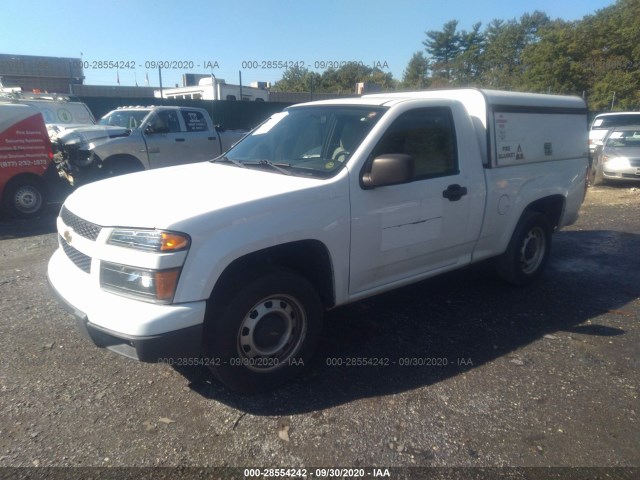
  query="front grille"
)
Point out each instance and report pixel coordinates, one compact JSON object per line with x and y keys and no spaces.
{"x":81,"y":227}
{"x":79,"y":259}
{"x":630,"y":175}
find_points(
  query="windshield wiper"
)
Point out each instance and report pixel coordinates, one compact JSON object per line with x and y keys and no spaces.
{"x":274,"y":165}
{"x":223,"y":158}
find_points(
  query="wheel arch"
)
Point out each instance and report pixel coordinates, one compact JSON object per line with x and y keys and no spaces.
{"x":24,"y":176}
{"x":551,"y":207}
{"x":123,"y":157}
{"x":308,"y":258}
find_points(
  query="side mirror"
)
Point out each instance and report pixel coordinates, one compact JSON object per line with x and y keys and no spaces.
{"x":389,"y":169}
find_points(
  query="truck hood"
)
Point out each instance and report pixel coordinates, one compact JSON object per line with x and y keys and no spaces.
{"x":57,"y":129}
{"x":91,"y":133}
{"x":182,"y":197}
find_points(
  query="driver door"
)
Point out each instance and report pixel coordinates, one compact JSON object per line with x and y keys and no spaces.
{"x":403,"y":231}
{"x":165,"y":139}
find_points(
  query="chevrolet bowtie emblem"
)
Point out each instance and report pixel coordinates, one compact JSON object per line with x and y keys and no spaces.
{"x":67,"y":236}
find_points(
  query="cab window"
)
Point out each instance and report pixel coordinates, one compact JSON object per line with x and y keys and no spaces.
{"x":428,"y":135}
{"x":194,"y":121}
{"x":165,"y":121}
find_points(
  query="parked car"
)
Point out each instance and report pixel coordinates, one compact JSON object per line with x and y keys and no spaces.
{"x":618,"y":158}
{"x":603,"y":122}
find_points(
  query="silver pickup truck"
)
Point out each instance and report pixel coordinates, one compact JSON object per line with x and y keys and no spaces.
{"x":132,"y":139}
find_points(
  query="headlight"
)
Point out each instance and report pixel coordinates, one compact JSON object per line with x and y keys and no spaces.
{"x":616,"y":162}
{"x":149,"y":240}
{"x":157,"y":286}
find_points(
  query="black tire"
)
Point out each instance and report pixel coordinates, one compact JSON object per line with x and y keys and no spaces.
{"x":25,"y":197}
{"x":265,"y":332}
{"x":528,"y":251}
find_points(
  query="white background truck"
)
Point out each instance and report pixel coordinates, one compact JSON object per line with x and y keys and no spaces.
{"x":231,"y":263}
{"x":132,"y":139}
{"x":60,"y":112}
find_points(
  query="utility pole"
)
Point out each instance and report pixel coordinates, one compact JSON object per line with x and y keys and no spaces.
{"x":160,"y":77}
{"x":613,"y":101}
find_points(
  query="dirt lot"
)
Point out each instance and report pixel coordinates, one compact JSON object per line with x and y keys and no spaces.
{"x":543,"y":376}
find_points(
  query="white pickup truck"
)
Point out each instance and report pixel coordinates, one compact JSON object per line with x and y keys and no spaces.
{"x":231,"y":263}
{"x":132,"y":139}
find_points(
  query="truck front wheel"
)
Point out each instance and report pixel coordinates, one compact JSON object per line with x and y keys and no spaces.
{"x":265,"y":333}
{"x":528,"y":250}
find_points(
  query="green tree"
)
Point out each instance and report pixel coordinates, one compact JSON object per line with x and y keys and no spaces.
{"x":415,"y":76}
{"x":610,"y":42}
{"x":334,"y":80}
{"x":297,"y":79}
{"x":443,"y":47}
{"x":555,"y":63}
{"x":506,"y":42}
{"x":468,"y":64}
{"x":383,"y":79}
{"x":616,"y":90}
{"x":348,"y":75}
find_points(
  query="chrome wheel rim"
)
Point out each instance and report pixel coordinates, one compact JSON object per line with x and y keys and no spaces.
{"x":532,"y":250}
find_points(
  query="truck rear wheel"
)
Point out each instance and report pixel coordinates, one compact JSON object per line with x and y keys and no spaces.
{"x":24,"y":197}
{"x":265,"y":333}
{"x":528,"y":250}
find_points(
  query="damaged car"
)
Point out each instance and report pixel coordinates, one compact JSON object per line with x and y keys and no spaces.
{"x":132,"y":139}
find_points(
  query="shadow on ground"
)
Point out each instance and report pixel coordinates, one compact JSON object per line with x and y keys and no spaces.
{"x":459,"y":321}
{"x":21,"y":228}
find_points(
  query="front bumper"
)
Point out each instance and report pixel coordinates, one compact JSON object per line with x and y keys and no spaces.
{"x":135,"y":329}
{"x":622,"y":174}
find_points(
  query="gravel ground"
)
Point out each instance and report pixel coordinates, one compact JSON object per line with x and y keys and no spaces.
{"x":542,"y":376}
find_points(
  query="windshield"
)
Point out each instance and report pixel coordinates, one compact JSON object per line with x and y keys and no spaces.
{"x":624,"y":139}
{"x":313,"y":141}
{"x":124,"y":118}
{"x":609,"y":121}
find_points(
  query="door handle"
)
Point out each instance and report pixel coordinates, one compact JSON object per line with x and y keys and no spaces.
{"x":179,"y":139}
{"x":212,"y":138}
{"x":454,"y":192}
